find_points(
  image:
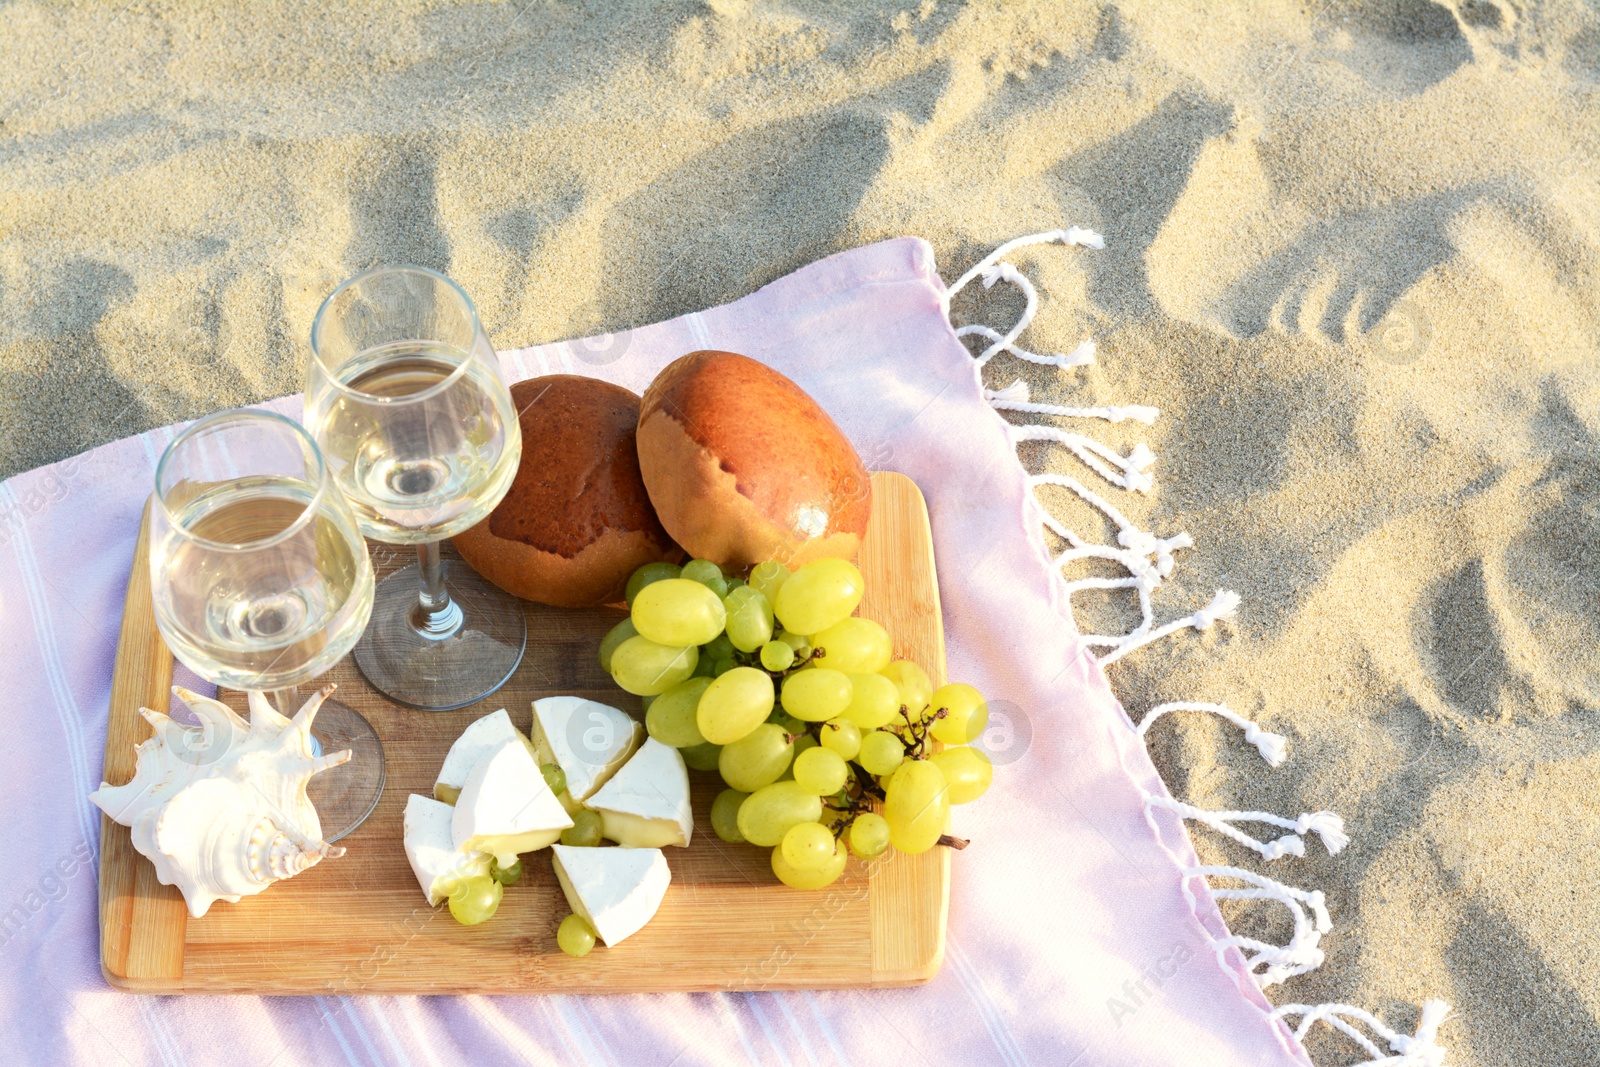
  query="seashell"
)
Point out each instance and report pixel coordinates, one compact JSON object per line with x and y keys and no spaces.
{"x":221,"y":808}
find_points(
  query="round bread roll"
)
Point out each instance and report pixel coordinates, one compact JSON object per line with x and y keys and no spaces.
{"x":743,"y":466}
{"x":577,"y":520}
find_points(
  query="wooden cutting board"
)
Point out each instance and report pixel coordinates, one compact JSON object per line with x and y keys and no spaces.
{"x":359,"y":924}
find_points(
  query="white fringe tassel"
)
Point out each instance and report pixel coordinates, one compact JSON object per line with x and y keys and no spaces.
{"x":1081,"y":356}
{"x":1325,"y":824}
{"x":1419,"y":1050}
{"x":1274,"y":748}
{"x":1124,"y":472}
{"x":993,"y":270}
{"x":1272,"y":964}
{"x":1149,"y":560}
{"x":1016,"y":397}
{"x":1222,"y":606}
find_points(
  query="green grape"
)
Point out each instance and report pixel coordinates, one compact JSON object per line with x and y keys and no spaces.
{"x":702,"y":757}
{"x":734,"y":704}
{"x":855,"y":645}
{"x":706,"y":667}
{"x":916,"y":806}
{"x":801,"y":744}
{"x":671,"y":717}
{"x":676,"y":611}
{"x":966,"y":714}
{"x":506,"y":875}
{"x":768,"y":577}
{"x":777,"y":656}
{"x":575,"y":935}
{"x":725,"y":815}
{"x":614,"y":637}
{"x":799,"y":642}
{"x":554,"y":777}
{"x":968,"y":771}
{"x":650,"y":572}
{"x":707,"y":574}
{"x":820,"y":771}
{"x":722,"y":665}
{"x":767,"y":814}
{"x":815,"y":879}
{"x":475,"y":899}
{"x":869,"y":835}
{"x":841,"y":736}
{"x":881,"y":752}
{"x":816,"y":695}
{"x":586,"y":830}
{"x":758,"y":758}
{"x":719,"y":647}
{"x":646,"y":669}
{"x":701,"y":570}
{"x":916,"y":689}
{"x":818,"y":595}
{"x":749,"y":624}
{"x":808,"y":846}
{"x":736,"y":583}
{"x":874,"y":701}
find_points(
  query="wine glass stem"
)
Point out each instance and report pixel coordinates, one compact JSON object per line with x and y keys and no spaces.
{"x":436,"y":616}
{"x":288,"y":703}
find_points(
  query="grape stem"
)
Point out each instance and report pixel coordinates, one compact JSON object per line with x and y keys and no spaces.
{"x":916,"y":735}
{"x":957,"y":843}
{"x":858,"y":798}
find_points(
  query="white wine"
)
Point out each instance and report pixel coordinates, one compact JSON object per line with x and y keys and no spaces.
{"x":419,"y":455}
{"x":249,"y":596}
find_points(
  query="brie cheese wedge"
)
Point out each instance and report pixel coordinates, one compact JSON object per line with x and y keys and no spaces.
{"x":476,"y":741}
{"x":586,"y":739}
{"x":436,"y":862}
{"x":646,"y":803}
{"x":506,"y":807}
{"x":617,"y":889}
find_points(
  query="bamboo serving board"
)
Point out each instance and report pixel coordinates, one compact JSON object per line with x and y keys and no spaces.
{"x":359,"y":924}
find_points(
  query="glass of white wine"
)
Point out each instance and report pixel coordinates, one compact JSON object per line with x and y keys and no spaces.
{"x":405,"y":397}
{"x":261,"y":581}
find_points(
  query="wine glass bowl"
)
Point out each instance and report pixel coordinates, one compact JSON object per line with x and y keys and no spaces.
{"x":260,"y":580}
{"x":405,"y":397}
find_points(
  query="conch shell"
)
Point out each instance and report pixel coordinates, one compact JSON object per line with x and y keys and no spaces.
{"x":221,"y":808}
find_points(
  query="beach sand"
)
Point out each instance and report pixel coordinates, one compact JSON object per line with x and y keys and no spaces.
{"x":1353,"y":254}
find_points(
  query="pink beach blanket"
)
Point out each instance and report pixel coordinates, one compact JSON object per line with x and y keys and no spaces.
{"x":1074,"y":937}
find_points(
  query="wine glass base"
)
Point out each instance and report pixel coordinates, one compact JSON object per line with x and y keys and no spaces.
{"x":344,"y":796}
{"x":441,"y":674}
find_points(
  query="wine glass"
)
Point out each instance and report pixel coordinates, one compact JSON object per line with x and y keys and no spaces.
{"x":405,"y":397}
{"x":261,"y":581}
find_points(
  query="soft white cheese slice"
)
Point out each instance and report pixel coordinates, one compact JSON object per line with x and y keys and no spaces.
{"x":476,"y":741}
{"x":436,"y":862}
{"x":506,"y":808}
{"x":586,"y":739}
{"x":646,"y":803}
{"x":616,"y":889}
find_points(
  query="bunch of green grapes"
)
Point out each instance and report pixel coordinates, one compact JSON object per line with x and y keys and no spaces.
{"x":827,"y":744}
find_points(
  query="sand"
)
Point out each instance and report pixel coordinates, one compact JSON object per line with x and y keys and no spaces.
{"x":1353,"y":255}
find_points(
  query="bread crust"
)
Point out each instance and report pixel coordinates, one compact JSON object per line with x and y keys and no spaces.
{"x":743,"y":465}
{"x":577,"y":520}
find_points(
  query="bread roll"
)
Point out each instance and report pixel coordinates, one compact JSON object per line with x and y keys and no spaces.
{"x":743,"y":466}
{"x":577,"y":520}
